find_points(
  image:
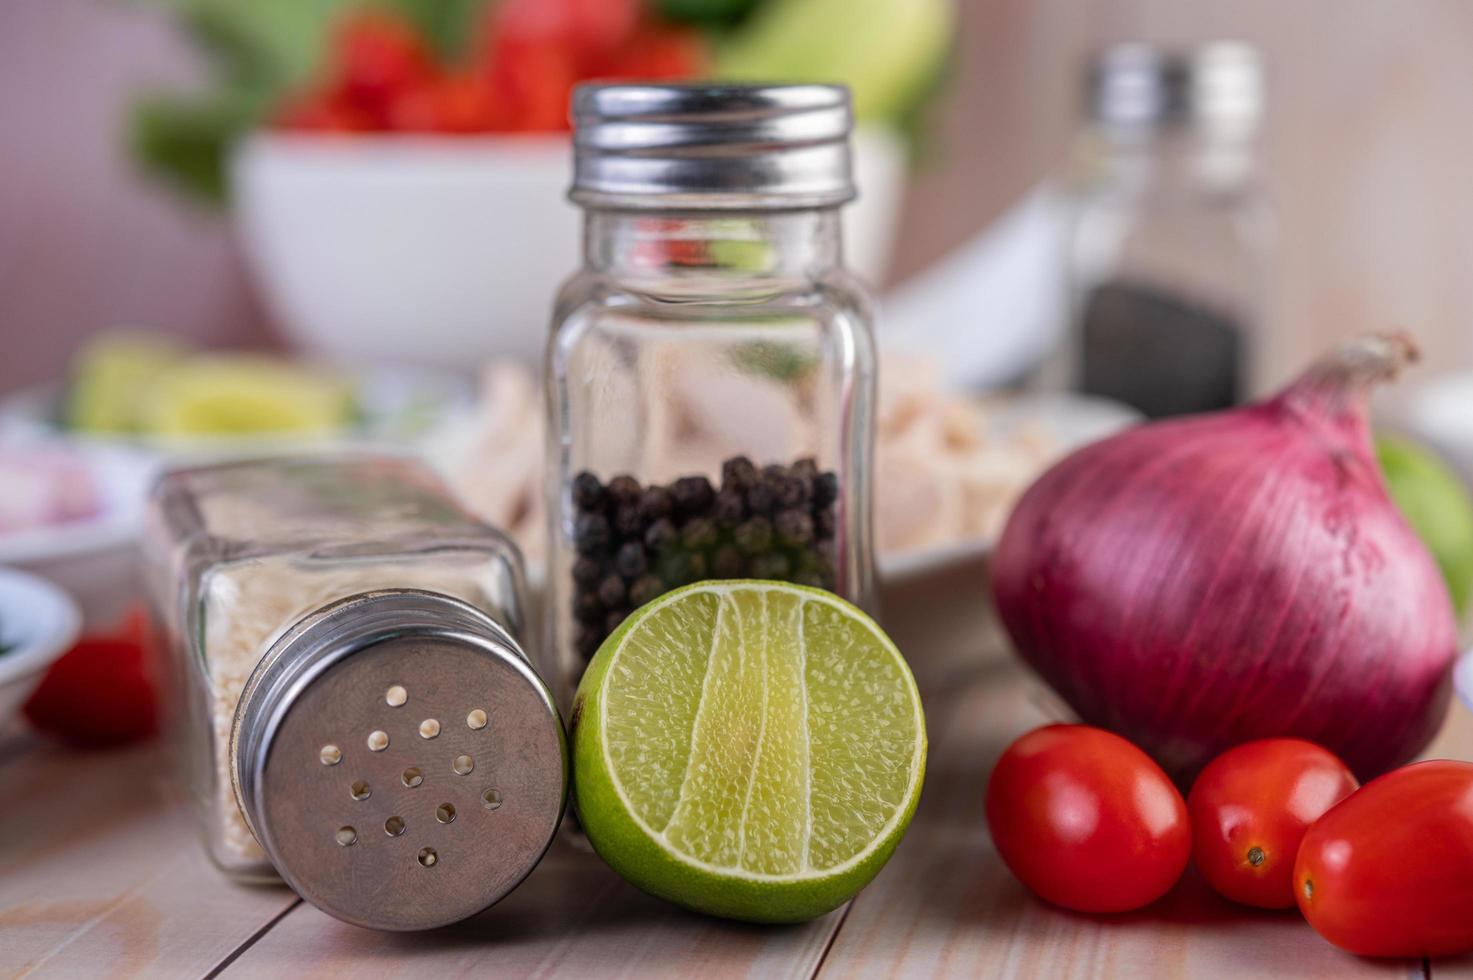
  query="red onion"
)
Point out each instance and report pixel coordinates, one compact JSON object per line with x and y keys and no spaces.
{"x":1200,"y":582}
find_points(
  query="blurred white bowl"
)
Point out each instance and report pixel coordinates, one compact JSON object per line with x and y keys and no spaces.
{"x":94,"y":560}
{"x":1438,"y":413}
{"x":38,"y":623}
{"x":448,"y":251}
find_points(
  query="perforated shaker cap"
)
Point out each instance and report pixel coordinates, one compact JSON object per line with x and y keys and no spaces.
{"x":398,"y":759}
{"x":705,"y":146}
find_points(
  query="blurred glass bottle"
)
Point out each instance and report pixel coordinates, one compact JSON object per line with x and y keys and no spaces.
{"x":1172,"y":236}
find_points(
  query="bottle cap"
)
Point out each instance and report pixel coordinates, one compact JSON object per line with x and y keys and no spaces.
{"x":710,"y":146}
{"x":399,"y":761}
{"x":1216,"y":88}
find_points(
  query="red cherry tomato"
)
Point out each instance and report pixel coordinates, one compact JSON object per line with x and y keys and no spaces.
{"x":587,"y":30}
{"x":323,"y":114}
{"x":99,"y":694}
{"x":1250,"y":808}
{"x":538,"y":81}
{"x":660,"y":53}
{"x":1389,"y":871}
{"x":378,"y":56}
{"x":455,"y":103}
{"x":1086,"y":820}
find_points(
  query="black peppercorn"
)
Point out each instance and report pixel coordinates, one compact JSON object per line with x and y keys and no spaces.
{"x":587,"y":608}
{"x":646,"y":588}
{"x":591,"y":534}
{"x":624,"y":490}
{"x":738,"y":473}
{"x":627,"y":523}
{"x":692,"y":495}
{"x":789,"y":491}
{"x":825,"y":488}
{"x":794,"y":528}
{"x":675,"y":569}
{"x":630,"y":560}
{"x":587,"y":571}
{"x":727,"y":562}
{"x":587,"y":641}
{"x":825,"y":524}
{"x":661,"y":535}
{"x":773,"y":565}
{"x":698,"y":533}
{"x":636,"y":542}
{"x":728,"y":509}
{"x":656,"y":503}
{"x":754,"y":535}
{"x":611,"y":591}
{"x":760,"y":499}
{"x":588,"y":492}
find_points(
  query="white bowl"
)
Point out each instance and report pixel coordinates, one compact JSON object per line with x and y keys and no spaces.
{"x":1437,"y":412}
{"x":448,"y":251}
{"x":40,"y":622}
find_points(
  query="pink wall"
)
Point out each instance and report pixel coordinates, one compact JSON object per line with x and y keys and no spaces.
{"x":84,"y":244}
{"x":1367,"y":147}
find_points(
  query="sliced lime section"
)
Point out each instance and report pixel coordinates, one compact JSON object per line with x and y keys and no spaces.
{"x":239,"y":395}
{"x":750,"y":749}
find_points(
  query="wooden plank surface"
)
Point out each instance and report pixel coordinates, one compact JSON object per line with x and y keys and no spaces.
{"x":102,"y":873}
{"x":946,"y":905}
{"x":573,"y":917}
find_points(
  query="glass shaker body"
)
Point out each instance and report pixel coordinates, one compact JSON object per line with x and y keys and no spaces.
{"x":1170,"y":252}
{"x":724,"y":365}
{"x":237,"y":554}
{"x":711,"y":370}
{"x":1172,"y":238}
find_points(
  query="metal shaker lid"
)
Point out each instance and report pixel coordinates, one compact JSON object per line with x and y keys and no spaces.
{"x":705,"y":146}
{"x":1217,"y":88}
{"x":400,"y":762}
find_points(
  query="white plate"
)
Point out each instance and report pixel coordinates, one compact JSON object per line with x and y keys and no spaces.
{"x":1074,"y":420}
{"x":121,"y":478}
{"x":39,"y":622}
{"x":396,"y":405}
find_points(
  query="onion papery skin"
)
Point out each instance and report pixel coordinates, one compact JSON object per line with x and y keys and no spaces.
{"x":1200,"y":582}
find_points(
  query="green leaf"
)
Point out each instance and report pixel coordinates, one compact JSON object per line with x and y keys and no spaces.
{"x":186,"y":140}
{"x":450,"y":26}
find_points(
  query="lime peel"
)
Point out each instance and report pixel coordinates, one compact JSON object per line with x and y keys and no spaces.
{"x":849,"y":684}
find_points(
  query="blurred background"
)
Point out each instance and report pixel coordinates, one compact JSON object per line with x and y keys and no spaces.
{"x":1362,"y":148}
{"x":231,"y":227}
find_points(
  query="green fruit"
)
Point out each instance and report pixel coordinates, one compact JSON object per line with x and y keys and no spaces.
{"x":111,"y":378}
{"x":748,"y":749}
{"x":1436,"y":504}
{"x":234,"y":395}
{"x":886,"y":51}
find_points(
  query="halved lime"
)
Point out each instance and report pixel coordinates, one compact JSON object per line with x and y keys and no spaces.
{"x":245,"y":395}
{"x":748,"y":749}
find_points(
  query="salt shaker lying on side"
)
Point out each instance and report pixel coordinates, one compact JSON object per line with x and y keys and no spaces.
{"x":357,"y":714}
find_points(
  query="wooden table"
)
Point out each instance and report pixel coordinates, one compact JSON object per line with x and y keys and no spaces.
{"x":102,"y":875}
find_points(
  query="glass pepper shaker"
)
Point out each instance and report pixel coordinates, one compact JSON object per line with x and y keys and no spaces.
{"x":1173,"y":237}
{"x":356,"y":714}
{"x":711,"y":369}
